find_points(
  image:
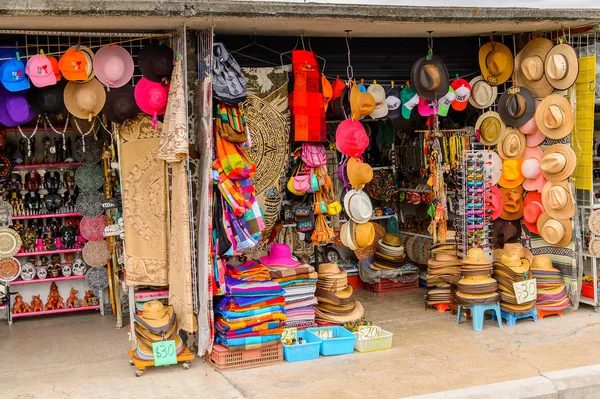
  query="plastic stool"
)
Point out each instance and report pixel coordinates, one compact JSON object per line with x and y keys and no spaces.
{"x":478,"y":314}
{"x":542,"y":313}
{"x":441,"y":307}
{"x":511,"y":318}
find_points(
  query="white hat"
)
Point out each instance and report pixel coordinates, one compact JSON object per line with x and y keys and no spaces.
{"x":482,"y":94}
{"x":381,"y":107}
{"x":496,"y":167}
{"x":358,"y":207}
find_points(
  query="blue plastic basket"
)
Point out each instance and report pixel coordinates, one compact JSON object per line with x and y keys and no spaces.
{"x":305,"y":351}
{"x":341,"y":345}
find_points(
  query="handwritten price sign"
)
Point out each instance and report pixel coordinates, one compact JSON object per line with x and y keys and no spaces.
{"x":164,"y":353}
{"x":368,"y":332}
{"x":289,"y":334}
{"x":525,"y":291}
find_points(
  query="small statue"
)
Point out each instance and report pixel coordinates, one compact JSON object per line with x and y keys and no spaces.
{"x":89,"y":299}
{"x":47,"y":144}
{"x":54,"y":301}
{"x":67,"y":237}
{"x":29,"y":239}
{"x":72,"y":299}
{"x":20,"y":306}
{"x":69,"y":152}
{"x":36,"y":304}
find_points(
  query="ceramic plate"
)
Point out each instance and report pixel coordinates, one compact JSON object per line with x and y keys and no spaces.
{"x":89,"y":177}
{"x":10,"y":269}
{"x":90,"y":204}
{"x":93,"y":228}
{"x":10,"y":242}
{"x":97,"y":278}
{"x":96,"y":253}
{"x":92,"y":153}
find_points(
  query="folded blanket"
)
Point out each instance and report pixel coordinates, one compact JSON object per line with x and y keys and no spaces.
{"x":248,"y":347}
{"x":286,"y":272}
{"x":307,"y":276}
{"x":227,"y":314}
{"x":249,"y":270}
{"x":298,"y":290}
{"x":259,"y":329}
{"x":300,"y":304}
{"x":235,"y":325}
{"x":299,"y":282}
{"x":272,"y":331}
{"x":255,"y":288}
{"x":242,"y":304}
{"x":247,"y":341}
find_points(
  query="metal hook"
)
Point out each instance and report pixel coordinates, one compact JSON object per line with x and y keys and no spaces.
{"x":349,"y":70}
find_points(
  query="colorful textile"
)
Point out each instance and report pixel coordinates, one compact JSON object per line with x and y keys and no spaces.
{"x":287,"y":272}
{"x":256,"y":288}
{"x":255,"y":221}
{"x":300,"y":304}
{"x":248,"y":341}
{"x":300,"y":324}
{"x":273,"y":331}
{"x":239,"y":194}
{"x":239,"y":305}
{"x":229,"y":315}
{"x":299,"y":282}
{"x":307,"y":276}
{"x":248,"y":347}
{"x":233,"y":116}
{"x":249,"y":270}
{"x":231,"y":159}
{"x":235,"y":325}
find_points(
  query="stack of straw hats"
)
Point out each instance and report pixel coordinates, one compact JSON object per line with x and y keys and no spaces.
{"x":390,"y":253}
{"x":443,"y":269}
{"x":156,"y":323}
{"x":336,"y":297}
{"x":514,"y":248}
{"x":476,"y":287}
{"x":551,"y":291}
{"x":511,"y":269}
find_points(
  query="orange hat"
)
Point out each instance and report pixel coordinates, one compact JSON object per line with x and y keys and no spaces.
{"x":327,"y":91}
{"x":338,"y":88}
{"x":73,"y":65}
{"x":55,"y":68}
{"x":361,"y":104}
{"x":511,"y":173}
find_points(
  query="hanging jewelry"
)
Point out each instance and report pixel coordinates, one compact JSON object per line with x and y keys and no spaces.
{"x":61,"y":134}
{"x":37,"y":124}
{"x":84,"y":134}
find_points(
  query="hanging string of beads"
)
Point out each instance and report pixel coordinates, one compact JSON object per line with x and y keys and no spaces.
{"x":61,"y":134}
{"x":86,"y":133}
{"x":37,"y":124}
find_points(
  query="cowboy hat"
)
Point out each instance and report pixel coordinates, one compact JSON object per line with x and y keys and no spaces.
{"x":361,"y":103}
{"x":381,"y":107}
{"x":491,"y":128}
{"x":113,"y":66}
{"x":543,"y":262}
{"x":532,"y":209}
{"x":351,"y":138}
{"x":511,"y":173}
{"x":516,"y":106}
{"x":520,"y":250}
{"x":477,"y":284}
{"x":497,"y":203}
{"x":85,"y":100}
{"x":120,"y":104}
{"x":530,"y":67}
{"x":357,"y":205}
{"x":555,"y":232}
{"x":429,"y":77}
{"x":482,"y":94}
{"x":359,"y":173}
{"x":513,"y":203}
{"x":554,"y":117}
{"x":562,"y":66}
{"x":475,"y":256}
{"x":495,"y":62}
{"x":534,"y":179}
{"x":558,"y":200}
{"x":558,"y":162}
{"x":512,"y":145}
{"x":504,"y":231}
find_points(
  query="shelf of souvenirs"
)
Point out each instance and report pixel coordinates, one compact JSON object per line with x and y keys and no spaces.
{"x":390,"y":167}
{"x":414,"y":190}
{"x":46,"y":280}
{"x":49,"y":312}
{"x":55,"y":252}
{"x":48,"y":216}
{"x":410,"y":233}
{"x":60,"y":165}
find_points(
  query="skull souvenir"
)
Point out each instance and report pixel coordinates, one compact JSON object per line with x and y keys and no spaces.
{"x":27,"y":271}
{"x":53,"y":202}
{"x":42,"y":273}
{"x":78,"y":267}
{"x":66,"y":270}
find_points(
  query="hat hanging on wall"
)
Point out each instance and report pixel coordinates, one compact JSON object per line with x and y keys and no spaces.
{"x":554,"y":117}
{"x":358,"y":207}
{"x":445,"y":102}
{"x":557,"y":199}
{"x":562,"y":66}
{"x":120,"y":104}
{"x":495,"y":62}
{"x":48,"y":99}
{"x":532,"y":209}
{"x":351,"y":138}
{"x":491,"y":128}
{"x":495,"y":167}
{"x":151,"y":97}
{"x":511,"y":173}
{"x":379,"y":95}
{"x":483,"y":95}
{"x":73,"y":64}
{"x":513,"y":203}
{"x":40,"y":72}
{"x":85,"y":100}
{"x":462,"y":90}
{"x":361,"y":103}
{"x":14,"y":108}
{"x":516,"y":106}
{"x":530,"y":67}
{"x":556,"y":232}
{"x":12,"y":75}
{"x":429,"y":77}
{"x":113,"y":66}
{"x":410,"y":99}
{"x":558,"y":162}
{"x":534,"y":178}
{"x":156,"y":62}
{"x":513,"y":144}
{"x":393,"y":102}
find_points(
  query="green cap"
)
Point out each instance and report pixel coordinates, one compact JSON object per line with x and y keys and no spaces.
{"x":409,"y":100}
{"x":445,"y":102}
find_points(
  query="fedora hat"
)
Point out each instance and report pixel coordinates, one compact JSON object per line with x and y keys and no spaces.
{"x":113,"y":66}
{"x":482,"y":94}
{"x":429,"y":77}
{"x":562,"y":66}
{"x":120,"y":104}
{"x":361,"y":104}
{"x":532,"y":209}
{"x":513,"y":203}
{"x":392,"y":242}
{"x":518,"y":249}
{"x":554,"y":117}
{"x":557,"y":199}
{"x":491,"y":128}
{"x":512,"y":145}
{"x":516,"y":106}
{"x":379,"y":95}
{"x":496,"y":62}
{"x":511,"y":173}
{"x":48,"y":99}
{"x":84,"y":100}
{"x":555,"y":232}
{"x":359,"y":173}
{"x":346,"y":236}
{"x":156,"y":317}
{"x":497,"y":203}
{"x":534,"y":179}
{"x":358,"y":207}
{"x":351,"y":138}
{"x":530,"y":67}
{"x":364,"y":234}
{"x":475,"y":256}
{"x":156,"y":61}
{"x":558,"y":162}
{"x":331,"y":270}
{"x":543,"y":262}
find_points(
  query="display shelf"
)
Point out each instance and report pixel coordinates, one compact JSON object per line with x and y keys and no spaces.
{"x":151,"y":294}
{"x":415,"y":234}
{"x":48,"y":166}
{"x":48,"y":216}
{"x":46,"y":280}
{"x":49,"y":312}
{"x":58,"y":251}
{"x":383,"y":167}
{"x":383,"y":217}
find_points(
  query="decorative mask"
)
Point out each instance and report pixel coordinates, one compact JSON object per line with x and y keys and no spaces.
{"x":78,"y":267}
{"x":27,"y":271}
{"x":42,"y":273}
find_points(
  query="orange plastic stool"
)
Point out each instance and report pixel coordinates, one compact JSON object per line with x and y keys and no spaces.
{"x":542,"y":313}
{"x":441,"y":307}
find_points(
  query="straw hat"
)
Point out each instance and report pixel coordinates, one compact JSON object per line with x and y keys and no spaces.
{"x":85,"y":100}
{"x":475,"y":256}
{"x":555,"y":232}
{"x":495,"y":167}
{"x":512,"y":145}
{"x":496,"y":62}
{"x":594,"y":222}
{"x":429,"y":77}
{"x":543,"y":262}
{"x":557,"y":199}
{"x":562,"y":66}
{"x":357,"y":205}
{"x":511,"y":173}
{"x":530,"y":67}
{"x":594,"y":247}
{"x":513,"y":203}
{"x":356,"y":314}
{"x":463,"y":298}
{"x":519,"y":250}
{"x":558,"y":162}
{"x":532,"y":209}
{"x":517,"y":309}
{"x":361,"y":104}
{"x":477,"y":284}
{"x":379,"y":95}
{"x":482,"y":94}
{"x":359,"y":173}
{"x":554,"y":117}
{"x":491,"y":128}
{"x":516,"y":106}
{"x":155,"y":316}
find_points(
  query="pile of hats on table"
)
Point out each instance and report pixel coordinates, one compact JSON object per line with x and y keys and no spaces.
{"x":512,"y":264}
{"x":298,"y":282}
{"x":551,"y":291}
{"x":476,"y":287}
{"x":336,"y":297}
{"x":251,"y":314}
{"x":443,"y":269}
{"x":156,"y":323}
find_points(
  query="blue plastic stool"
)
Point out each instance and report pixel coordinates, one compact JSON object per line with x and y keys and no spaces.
{"x":478,"y":314}
{"x":511,"y":318}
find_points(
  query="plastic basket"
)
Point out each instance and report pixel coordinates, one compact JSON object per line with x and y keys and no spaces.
{"x":223,"y":359}
{"x":342,"y":344}
{"x":384,"y":341}
{"x":306,"y":351}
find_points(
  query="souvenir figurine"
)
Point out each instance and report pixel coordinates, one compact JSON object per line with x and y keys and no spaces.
{"x":33,"y":181}
{"x":78,"y":266}
{"x":66,"y":270}
{"x":47,"y":142}
{"x":29,"y":239}
{"x":67,"y":236}
{"x":53,"y":271}
{"x":69,"y":151}
{"x":14,"y":185}
{"x":53,"y":202}
{"x":72,"y":299}
{"x":36,"y":304}
{"x":27,"y":272}
{"x":89,"y":299}
{"x":20,"y":306}
{"x":32,"y":203}
{"x":42,"y":273}
{"x":54,"y":301}
{"x":44,"y":260}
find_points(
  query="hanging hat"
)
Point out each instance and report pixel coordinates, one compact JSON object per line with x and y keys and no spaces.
{"x":429,"y":77}
{"x":504,"y":231}
{"x":445,"y":102}
{"x":85,"y":100}
{"x":14,"y":108}
{"x":393,"y":102}
{"x":530,"y":127}
{"x":562,"y":66}
{"x":555,"y":232}
{"x":358,"y":207}
{"x":495,"y":167}
{"x":113,"y":66}
{"x":341,"y":105}
{"x":351,"y":138}
{"x":48,"y":99}
{"x":482,"y":94}
{"x":534,"y":140}
{"x":361,"y":104}
{"x":513,"y":144}
{"x":39,"y":69}
{"x":12,"y":75}
{"x":462,"y":90}
{"x":495,"y":62}
{"x":516,"y":106}
{"x":337,"y":88}
{"x":156,"y":61}
{"x":347,"y":236}
{"x":381,"y":107}
{"x":55,"y":68}
{"x":554,"y":117}
{"x":491,"y":128}
{"x":426,"y":107}
{"x":120,"y":104}
{"x":534,"y":179}
{"x":558,"y":162}
{"x":530,"y":67}
{"x":279,"y":255}
{"x":511,"y":173}
{"x":532,"y":209}
{"x":497,"y":203}
{"x":513,"y":203}
{"x":410,"y":99}
{"x":74,"y":64}
{"x":364,"y":234}
{"x":558,"y":200}
{"x":359,"y":173}
{"x":151,"y":97}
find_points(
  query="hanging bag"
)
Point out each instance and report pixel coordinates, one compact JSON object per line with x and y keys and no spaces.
{"x":228,"y":81}
{"x":314,"y":155}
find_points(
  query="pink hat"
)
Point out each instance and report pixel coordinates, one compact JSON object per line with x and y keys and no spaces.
{"x":530,"y":126}
{"x":425,"y":109}
{"x":534,"y":179}
{"x":497,"y":202}
{"x":40,"y":71}
{"x":152,"y":97}
{"x":113,"y":66}
{"x":351,"y":138}
{"x":532,"y":211}
{"x":279,"y":255}
{"x":535,"y":139}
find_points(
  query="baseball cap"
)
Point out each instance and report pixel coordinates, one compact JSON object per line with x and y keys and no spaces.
{"x":427,"y":107}
{"x":445,"y":102}
{"x":392,"y":99}
{"x":409,"y":99}
{"x":12,"y":74}
{"x":55,"y":68}
{"x":73,"y":65}
{"x":462,"y":88}
{"x":39,"y":69}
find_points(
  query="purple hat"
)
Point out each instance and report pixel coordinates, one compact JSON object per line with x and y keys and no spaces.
{"x":280,"y":255}
{"x":14,"y":108}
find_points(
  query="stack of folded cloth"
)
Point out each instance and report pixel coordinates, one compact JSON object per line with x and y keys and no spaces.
{"x":551,"y":291}
{"x":476,"y":287}
{"x":336,"y":297}
{"x":511,"y":269}
{"x":251,"y":314}
{"x":156,"y":323}
{"x":299,"y":286}
{"x":443,"y":269}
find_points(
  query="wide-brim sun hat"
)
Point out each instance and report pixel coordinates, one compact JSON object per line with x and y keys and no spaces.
{"x":530,"y":126}
{"x":530,"y":67}
{"x":512,"y":176}
{"x":491,"y":128}
{"x":532,"y":209}
{"x":113,"y":66}
{"x":557,"y":199}
{"x":429,"y":77}
{"x":361,"y":103}
{"x":279,"y":255}
{"x":48,"y":99}
{"x":496,"y":62}
{"x":351,"y":138}
{"x":495,"y":167}
{"x":558,"y":162}
{"x":513,"y":203}
{"x":555,"y":232}
{"x":516,"y":106}
{"x":85,"y":100}
{"x":554,"y":117}
{"x":358,"y":207}
{"x":497,"y":203}
{"x":359,"y":173}
{"x":562,"y":66}
{"x":120,"y":104}
{"x":364,"y":234}
{"x":512,"y":145}
{"x":482,"y":94}
{"x":156,"y":61}
{"x":346,"y":235}
{"x":151,"y":97}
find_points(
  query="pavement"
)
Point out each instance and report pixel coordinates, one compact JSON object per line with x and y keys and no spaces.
{"x":85,"y":356}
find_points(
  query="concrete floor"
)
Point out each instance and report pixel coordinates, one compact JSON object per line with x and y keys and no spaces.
{"x":84,"y":356}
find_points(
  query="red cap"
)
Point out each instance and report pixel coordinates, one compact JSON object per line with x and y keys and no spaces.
{"x":462,"y":88}
{"x":338,"y":87}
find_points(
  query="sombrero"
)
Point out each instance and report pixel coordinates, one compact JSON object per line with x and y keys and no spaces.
{"x":530,"y":67}
{"x":558,"y":162}
{"x":513,"y":144}
{"x":557,"y":199}
{"x":557,"y":232}
{"x":562,"y":66}
{"x":495,"y":62}
{"x":554,"y":117}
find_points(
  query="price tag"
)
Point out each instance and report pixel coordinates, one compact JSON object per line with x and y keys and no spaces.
{"x":289,"y":334}
{"x":525,"y":291}
{"x":367,"y":332}
{"x":164,"y":353}
{"x":324,"y":334}
{"x":113,"y":230}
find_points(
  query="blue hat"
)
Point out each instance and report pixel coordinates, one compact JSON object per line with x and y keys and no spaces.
{"x":12,"y":75}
